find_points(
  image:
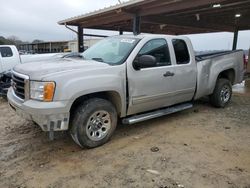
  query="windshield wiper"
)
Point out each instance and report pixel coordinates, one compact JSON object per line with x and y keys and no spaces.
{"x":98,"y":59}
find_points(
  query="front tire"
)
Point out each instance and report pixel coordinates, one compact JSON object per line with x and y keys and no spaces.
{"x":93,"y":123}
{"x":222,"y":93}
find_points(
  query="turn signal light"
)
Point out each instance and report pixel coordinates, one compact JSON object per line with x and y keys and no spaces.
{"x":48,"y":92}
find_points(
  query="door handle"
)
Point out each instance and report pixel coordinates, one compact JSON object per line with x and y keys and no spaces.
{"x":168,"y":74}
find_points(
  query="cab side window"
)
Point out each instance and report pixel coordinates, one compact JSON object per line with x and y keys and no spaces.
{"x":159,"y":49}
{"x":181,"y":52}
{"x":6,"y":52}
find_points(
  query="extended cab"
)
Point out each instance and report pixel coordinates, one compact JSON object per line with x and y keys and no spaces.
{"x":133,"y":78}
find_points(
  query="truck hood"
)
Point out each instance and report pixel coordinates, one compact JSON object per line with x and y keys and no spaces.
{"x":39,"y":70}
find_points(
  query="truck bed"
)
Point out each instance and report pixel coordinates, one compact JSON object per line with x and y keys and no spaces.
{"x":210,"y":65}
{"x":209,"y":55}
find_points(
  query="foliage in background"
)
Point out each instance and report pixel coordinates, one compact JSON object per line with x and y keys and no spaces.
{"x":12,"y":40}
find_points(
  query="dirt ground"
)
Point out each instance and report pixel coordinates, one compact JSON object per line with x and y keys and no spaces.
{"x":201,"y":147}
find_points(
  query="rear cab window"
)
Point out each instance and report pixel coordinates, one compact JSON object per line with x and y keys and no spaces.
{"x":181,"y":52}
{"x":6,"y":52}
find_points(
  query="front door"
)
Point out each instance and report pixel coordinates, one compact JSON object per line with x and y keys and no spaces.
{"x":150,"y":88}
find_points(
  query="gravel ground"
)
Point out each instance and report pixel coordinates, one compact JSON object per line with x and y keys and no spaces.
{"x":201,"y":147}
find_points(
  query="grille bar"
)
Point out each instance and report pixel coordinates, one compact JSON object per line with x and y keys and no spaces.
{"x":18,"y":84}
{"x":17,"y":79}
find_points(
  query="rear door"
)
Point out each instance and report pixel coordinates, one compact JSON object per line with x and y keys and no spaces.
{"x":185,"y":70}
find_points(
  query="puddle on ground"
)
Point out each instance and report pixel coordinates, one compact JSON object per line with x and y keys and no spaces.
{"x":243,"y":88}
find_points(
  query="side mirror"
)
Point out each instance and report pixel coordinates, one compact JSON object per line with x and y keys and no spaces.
{"x":144,"y":61}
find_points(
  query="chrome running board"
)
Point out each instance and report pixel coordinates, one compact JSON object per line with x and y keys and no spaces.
{"x":158,"y":113}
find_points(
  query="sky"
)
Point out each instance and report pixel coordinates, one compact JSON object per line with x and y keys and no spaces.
{"x":31,"y":19}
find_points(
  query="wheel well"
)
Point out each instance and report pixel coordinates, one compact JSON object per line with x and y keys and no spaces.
{"x":228,"y":74}
{"x":111,"y":96}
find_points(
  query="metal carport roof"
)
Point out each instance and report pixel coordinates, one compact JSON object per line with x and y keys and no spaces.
{"x":169,"y":16}
{"x":174,"y":17}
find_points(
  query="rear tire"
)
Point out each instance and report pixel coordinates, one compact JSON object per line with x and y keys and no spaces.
{"x":93,"y":123}
{"x":222,"y":93}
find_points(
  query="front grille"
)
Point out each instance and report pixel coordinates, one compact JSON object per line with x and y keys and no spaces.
{"x":18,"y":85}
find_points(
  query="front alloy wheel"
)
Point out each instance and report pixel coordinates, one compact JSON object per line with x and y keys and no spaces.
{"x":93,"y":122}
{"x":98,"y":125}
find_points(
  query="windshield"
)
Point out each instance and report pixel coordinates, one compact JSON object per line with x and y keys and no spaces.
{"x":111,"y":50}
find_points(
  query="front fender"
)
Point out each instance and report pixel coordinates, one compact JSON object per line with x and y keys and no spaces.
{"x":71,"y":86}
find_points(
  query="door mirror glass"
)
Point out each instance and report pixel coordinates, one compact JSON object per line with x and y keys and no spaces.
{"x":144,"y":61}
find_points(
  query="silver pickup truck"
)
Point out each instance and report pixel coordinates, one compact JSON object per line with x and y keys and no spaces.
{"x":127,"y":77}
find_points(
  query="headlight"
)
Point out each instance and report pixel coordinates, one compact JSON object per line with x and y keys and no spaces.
{"x":42,"y":91}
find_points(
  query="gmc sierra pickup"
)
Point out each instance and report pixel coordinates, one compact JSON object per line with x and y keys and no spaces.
{"x":127,"y":77}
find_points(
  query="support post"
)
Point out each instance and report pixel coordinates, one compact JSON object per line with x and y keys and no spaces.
{"x":80,"y":39}
{"x":136,"y":24}
{"x":235,"y":40}
{"x":50,"y":47}
{"x":120,"y":32}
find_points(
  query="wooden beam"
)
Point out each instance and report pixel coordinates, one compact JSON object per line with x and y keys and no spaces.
{"x":178,"y":6}
{"x":186,"y":24}
{"x":214,"y":11}
{"x":173,"y":29}
{"x":106,"y":20}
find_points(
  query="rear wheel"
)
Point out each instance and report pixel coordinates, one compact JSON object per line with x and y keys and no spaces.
{"x":93,"y":123}
{"x":222,"y":93}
